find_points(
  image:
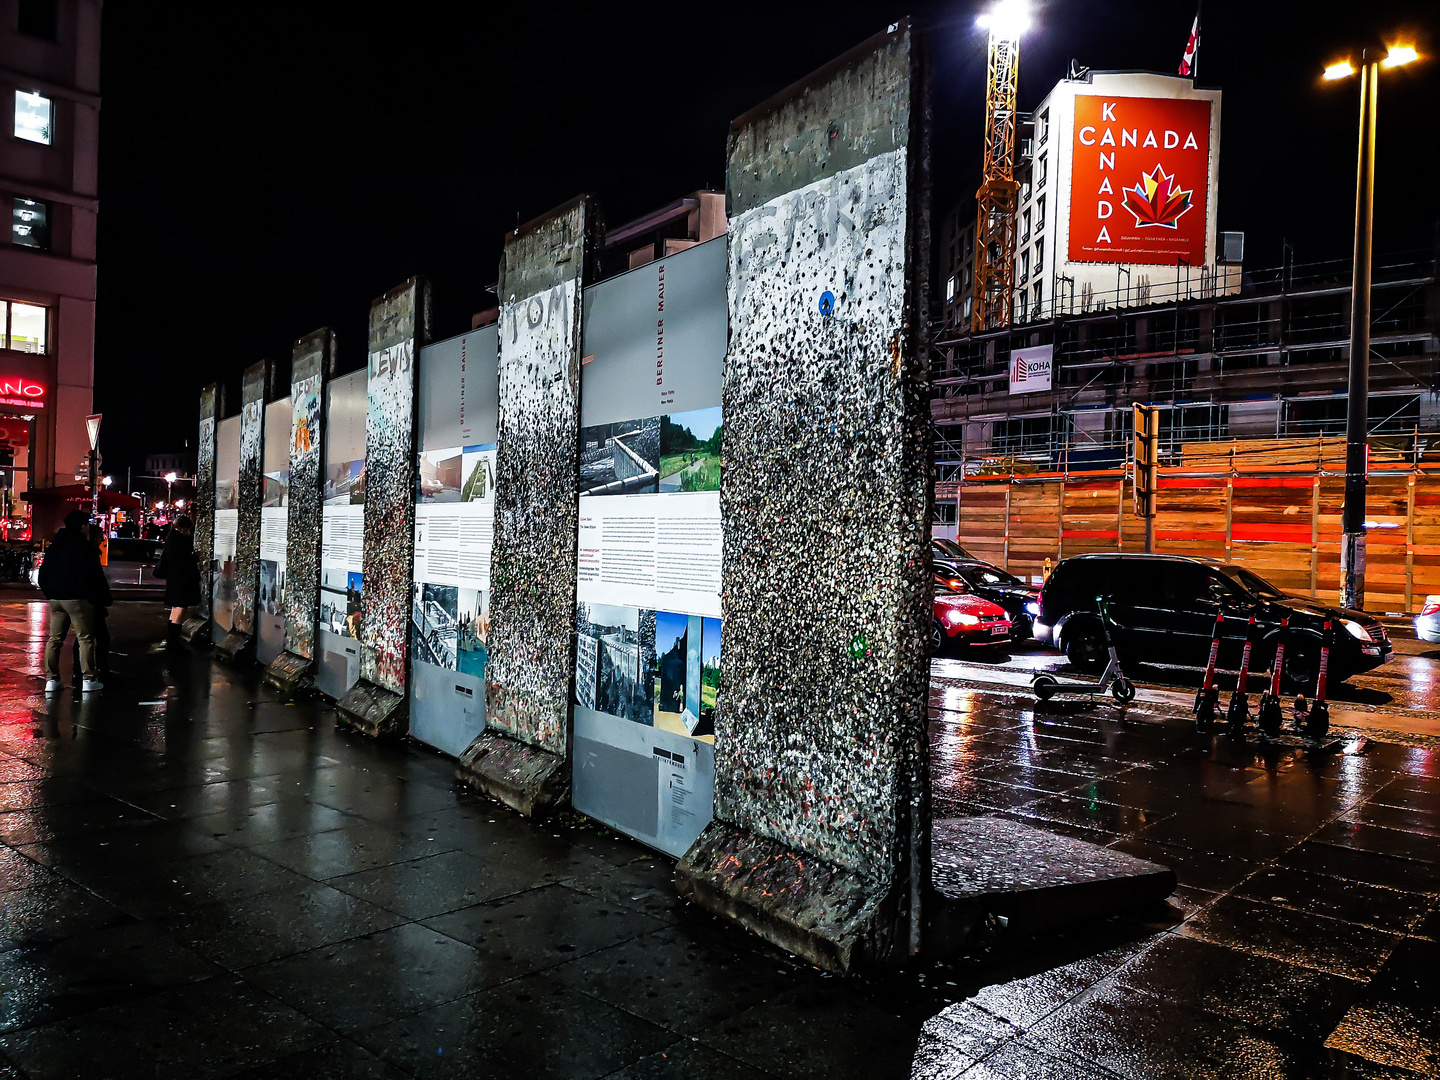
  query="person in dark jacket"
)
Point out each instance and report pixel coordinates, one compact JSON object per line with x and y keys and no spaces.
{"x":100,"y":600}
{"x":69,"y":576}
{"x":181,"y":573}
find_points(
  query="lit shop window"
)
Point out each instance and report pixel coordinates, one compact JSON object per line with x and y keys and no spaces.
{"x":26,"y":327}
{"x":30,"y":224}
{"x":34,"y":117}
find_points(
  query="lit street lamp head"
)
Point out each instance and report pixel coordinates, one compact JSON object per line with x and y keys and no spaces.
{"x":1395,"y":56}
{"x":1006,"y":19}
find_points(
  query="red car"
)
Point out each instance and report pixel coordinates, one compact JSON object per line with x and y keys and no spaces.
{"x":962,"y":618}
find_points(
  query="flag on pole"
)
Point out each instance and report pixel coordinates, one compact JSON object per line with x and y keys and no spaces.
{"x":1187,"y":62}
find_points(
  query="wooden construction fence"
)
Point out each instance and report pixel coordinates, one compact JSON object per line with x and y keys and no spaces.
{"x":1281,"y":522}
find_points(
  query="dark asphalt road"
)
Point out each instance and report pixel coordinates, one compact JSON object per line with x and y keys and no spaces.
{"x":198,"y":879}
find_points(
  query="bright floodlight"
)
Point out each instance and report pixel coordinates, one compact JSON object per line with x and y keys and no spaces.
{"x":171,"y":477}
{"x":1007,"y":19}
{"x":108,"y":481}
{"x":1343,"y":70}
{"x":1399,"y":55}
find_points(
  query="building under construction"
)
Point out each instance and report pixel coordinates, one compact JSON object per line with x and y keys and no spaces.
{"x":1251,"y":391}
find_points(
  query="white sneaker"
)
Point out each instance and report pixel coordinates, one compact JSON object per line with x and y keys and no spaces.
{"x":52,"y":686}
{"x":91,"y":684}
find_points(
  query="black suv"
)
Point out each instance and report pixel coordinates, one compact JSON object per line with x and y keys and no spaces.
{"x":1163,"y":609}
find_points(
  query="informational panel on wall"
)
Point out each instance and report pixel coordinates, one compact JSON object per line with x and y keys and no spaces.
{"x":343,"y":535}
{"x":274,"y":524}
{"x":454,"y":526}
{"x":227,"y":522}
{"x":647,"y":667}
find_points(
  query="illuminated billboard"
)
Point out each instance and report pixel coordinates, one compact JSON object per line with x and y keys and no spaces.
{"x":1140,"y":180}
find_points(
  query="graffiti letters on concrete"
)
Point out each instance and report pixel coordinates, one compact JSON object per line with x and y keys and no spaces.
{"x":396,"y":321}
{"x":532,"y":609}
{"x":309,"y":364}
{"x":823,"y":470}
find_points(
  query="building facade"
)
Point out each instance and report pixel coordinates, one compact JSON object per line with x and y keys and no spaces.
{"x":1118,"y":201}
{"x":50,"y":85}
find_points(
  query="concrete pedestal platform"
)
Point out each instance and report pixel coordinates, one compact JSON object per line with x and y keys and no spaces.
{"x":523,"y":777}
{"x":1035,"y":880}
{"x":374,"y":711}
{"x":195,"y":632}
{"x":290,"y":674}
{"x":236,"y":648}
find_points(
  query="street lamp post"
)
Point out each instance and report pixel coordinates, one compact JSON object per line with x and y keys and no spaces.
{"x":170,"y":478}
{"x":1357,"y":447}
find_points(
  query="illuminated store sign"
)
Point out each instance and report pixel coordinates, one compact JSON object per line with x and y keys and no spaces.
{"x":17,"y":390}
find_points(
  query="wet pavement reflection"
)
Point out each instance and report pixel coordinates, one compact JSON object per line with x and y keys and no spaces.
{"x":198,"y":878}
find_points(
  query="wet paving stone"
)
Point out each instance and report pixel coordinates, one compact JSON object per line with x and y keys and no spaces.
{"x":357,"y":847}
{"x":19,"y":872}
{"x":510,"y":1031}
{"x":1322,"y":894}
{"x":366,"y":981}
{"x":1406,"y":875}
{"x":21,"y":827}
{"x":51,"y":911}
{"x":815,"y":1032}
{"x":1315,"y":941}
{"x":335,"y":1058}
{"x":276,"y":924}
{"x":87,"y":971}
{"x":213,"y":1028}
{"x":1396,"y":1021}
{"x":689,"y":1060}
{"x":424,"y":888}
{"x":544,"y":927}
{"x":1421,"y":847}
{"x":1020,"y":1059}
{"x":283,"y":819}
{"x":1424,"y":822}
{"x":680,"y":978}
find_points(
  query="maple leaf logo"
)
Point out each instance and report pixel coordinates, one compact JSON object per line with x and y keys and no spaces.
{"x":1155,"y":202}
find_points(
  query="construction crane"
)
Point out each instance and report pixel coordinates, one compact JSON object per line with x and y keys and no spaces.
{"x":996,"y":199}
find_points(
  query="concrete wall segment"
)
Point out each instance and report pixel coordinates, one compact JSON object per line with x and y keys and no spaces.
{"x":312,"y":360}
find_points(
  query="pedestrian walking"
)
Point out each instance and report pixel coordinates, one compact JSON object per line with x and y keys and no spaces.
{"x":181,"y":574}
{"x":69,"y":576}
{"x":100,"y":599}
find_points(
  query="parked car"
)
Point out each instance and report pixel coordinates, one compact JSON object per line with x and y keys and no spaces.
{"x":1019,"y":600}
{"x":941,"y":548}
{"x":1427,"y":623}
{"x":963,"y":618}
{"x":1163,"y":610}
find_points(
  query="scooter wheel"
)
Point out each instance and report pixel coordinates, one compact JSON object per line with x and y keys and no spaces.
{"x":1044,"y":687}
{"x":1270,"y":718}
{"x":1205,"y":718}
{"x":1123,"y":691}
{"x":1317,"y":723}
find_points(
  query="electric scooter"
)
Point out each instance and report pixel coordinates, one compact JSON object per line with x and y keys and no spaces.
{"x":1112,"y":679}
{"x":1207,"y":698}
{"x":1270,"y":717}
{"x":1316,"y":723}
{"x":1238,"y":714}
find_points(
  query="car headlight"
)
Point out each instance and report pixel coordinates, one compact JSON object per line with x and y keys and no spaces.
{"x":965,"y":619}
{"x":1356,"y":630}
{"x":1032,"y":607}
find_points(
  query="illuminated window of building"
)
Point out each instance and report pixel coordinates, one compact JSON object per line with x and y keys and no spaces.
{"x":1025,"y":226}
{"x":27,"y":328}
{"x":1039,"y":296}
{"x":1040,"y":214}
{"x":34,"y":117}
{"x":1024,"y":265}
{"x":1041,"y":170}
{"x":1039,"y":255}
{"x":1042,"y":127}
{"x":950,"y":289}
{"x":30,"y":224}
{"x":969,"y":306}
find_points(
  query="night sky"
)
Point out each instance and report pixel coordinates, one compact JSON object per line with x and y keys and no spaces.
{"x":267,"y":170}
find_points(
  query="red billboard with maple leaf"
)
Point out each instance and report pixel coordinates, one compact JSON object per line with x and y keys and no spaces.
{"x":1139,"y":180}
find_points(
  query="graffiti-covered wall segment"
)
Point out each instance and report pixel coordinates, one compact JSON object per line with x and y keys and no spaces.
{"x":820,"y":728}
{"x":532,"y":576}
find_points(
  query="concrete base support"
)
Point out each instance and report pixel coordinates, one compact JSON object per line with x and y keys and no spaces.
{"x":291,"y":674}
{"x":373,"y":710}
{"x":195,"y":632}
{"x":236,"y":648}
{"x":523,"y":777}
{"x":825,"y":914}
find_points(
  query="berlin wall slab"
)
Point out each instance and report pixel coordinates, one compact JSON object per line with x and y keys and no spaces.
{"x":312,"y":362}
{"x":195,"y":631}
{"x":238,"y":646}
{"x":532,"y":571}
{"x":820,"y":725}
{"x":399,"y":324}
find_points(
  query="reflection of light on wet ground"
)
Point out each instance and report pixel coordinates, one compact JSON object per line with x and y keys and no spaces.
{"x":37,"y":629}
